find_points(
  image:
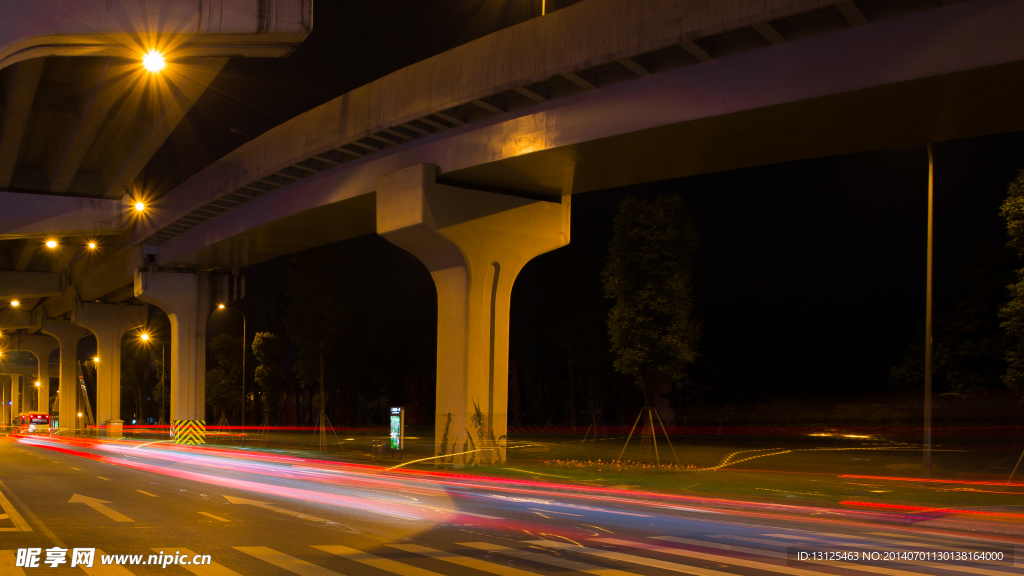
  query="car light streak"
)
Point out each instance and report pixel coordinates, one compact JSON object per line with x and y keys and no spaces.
{"x":930,"y":509}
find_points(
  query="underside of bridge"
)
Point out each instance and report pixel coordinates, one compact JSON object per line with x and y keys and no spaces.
{"x":602,"y":94}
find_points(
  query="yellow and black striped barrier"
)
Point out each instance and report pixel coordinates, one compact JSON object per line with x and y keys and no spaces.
{"x":189,"y":432}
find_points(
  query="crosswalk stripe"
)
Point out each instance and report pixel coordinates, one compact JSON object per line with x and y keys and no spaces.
{"x":376,"y":561}
{"x":99,"y":569}
{"x":650,"y":562}
{"x":7,"y":564}
{"x":730,"y":547}
{"x":211,"y":569}
{"x":465,"y":561}
{"x":285,"y":562}
{"x":882,"y":547}
{"x":857,"y":566}
{"x":760,"y":565}
{"x":563,"y":563}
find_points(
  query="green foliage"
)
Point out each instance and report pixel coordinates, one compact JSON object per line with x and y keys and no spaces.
{"x":444,"y":441}
{"x":1012,"y":313}
{"x":648,"y":274}
{"x":316,"y":317}
{"x":224,"y":380}
{"x":266,"y":347}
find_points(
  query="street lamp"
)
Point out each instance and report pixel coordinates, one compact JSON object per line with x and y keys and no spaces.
{"x":153,"y":61}
{"x":163,"y":368}
{"x":223,"y":307}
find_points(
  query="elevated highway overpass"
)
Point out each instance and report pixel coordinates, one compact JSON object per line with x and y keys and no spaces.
{"x":469,"y":159}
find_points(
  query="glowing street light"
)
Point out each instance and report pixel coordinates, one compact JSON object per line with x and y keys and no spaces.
{"x":96,"y":359}
{"x":51,"y":243}
{"x":37,"y":384}
{"x":153,"y":61}
{"x":92,"y":245}
{"x":144,"y":337}
{"x":15,"y":303}
{"x":140,"y":207}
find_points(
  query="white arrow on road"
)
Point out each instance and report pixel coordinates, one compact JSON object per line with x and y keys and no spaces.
{"x":268,"y":506}
{"x":99,"y":506}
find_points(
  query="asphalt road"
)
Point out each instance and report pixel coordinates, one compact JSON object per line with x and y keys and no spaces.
{"x":278,"y":514}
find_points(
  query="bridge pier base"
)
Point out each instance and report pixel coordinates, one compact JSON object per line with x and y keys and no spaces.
{"x":67,"y":335}
{"x":41,"y":347}
{"x":109,"y":323}
{"x":187,"y":299}
{"x":474,"y":244}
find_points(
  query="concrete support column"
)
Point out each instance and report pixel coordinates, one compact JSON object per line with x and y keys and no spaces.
{"x":5,"y":394}
{"x":15,"y":394}
{"x":474,"y":244}
{"x":188,"y":300}
{"x":109,"y":323}
{"x":67,"y":335}
{"x":42,"y":346}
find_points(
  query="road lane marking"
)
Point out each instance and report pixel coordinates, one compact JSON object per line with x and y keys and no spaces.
{"x":100,"y":569}
{"x":465,"y":561}
{"x":215,"y":517}
{"x":211,"y":569}
{"x":19,"y":523}
{"x":268,"y":506}
{"x":619,"y":556}
{"x":556,"y":561}
{"x":731,"y":547}
{"x":99,"y":506}
{"x":7,"y":564}
{"x":102,"y":478}
{"x":147,"y":493}
{"x":73,"y":468}
{"x":286,"y":562}
{"x":553,"y":512}
{"x":376,"y":561}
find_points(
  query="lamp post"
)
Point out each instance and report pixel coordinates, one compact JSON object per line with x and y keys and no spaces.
{"x":927,"y":464}
{"x":223,"y":307}
{"x":163,"y":368}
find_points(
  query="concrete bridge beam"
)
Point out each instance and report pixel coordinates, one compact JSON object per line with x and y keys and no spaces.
{"x":67,"y":334}
{"x":109,"y":323}
{"x":474,"y":244}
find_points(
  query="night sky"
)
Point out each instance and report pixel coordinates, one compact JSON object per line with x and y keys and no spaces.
{"x":809,"y":277}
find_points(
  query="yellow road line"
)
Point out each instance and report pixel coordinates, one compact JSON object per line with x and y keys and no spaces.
{"x":7,"y":561}
{"x":285,"y":562}
{"x":215,"y":517}
{"x":19,"y":523}
{"x":212,"y":569}
{"x":465,"y":561}
{"x":376,"y":561}
{"x":147,"y":493}
{"x":102,"y":478}
{"x":558,"y":562}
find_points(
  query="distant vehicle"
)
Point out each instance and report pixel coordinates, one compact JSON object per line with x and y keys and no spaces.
{"x":34,"y":423}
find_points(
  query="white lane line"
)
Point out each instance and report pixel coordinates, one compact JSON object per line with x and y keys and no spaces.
{"x":19,"y":523}
{"x":285,"y":562}
{"x":147,"y":493}
{"x":465,"y":561}
{"x":558,"y":562}
{"x":102,"y":478}
{"x":717,"y":546}
{"x":553,"y":512}
{"x":215,"y":517}
{"x":376,"y":561}
{"x":7,"y":564}
{"x":619,"y":556}
{"x":100,"y":569}
{"x":73,"y":468}
{"x":212,"y":569}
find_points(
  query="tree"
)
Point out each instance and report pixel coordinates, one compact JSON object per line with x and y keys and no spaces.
{"x":648,"y":274}
{"x":224,"y":381}
{"x":266,"y":347}
{"x":1012,"y":313}
{"x":316,"y":317}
